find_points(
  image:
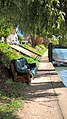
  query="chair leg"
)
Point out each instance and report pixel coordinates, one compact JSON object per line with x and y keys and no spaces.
{"x":14,"y":73}
{"x":28,"y":79}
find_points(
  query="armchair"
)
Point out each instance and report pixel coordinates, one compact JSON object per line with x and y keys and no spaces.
{"x":22,"y":70}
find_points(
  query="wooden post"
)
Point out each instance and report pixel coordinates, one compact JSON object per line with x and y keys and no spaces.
{"x":50,"y":46}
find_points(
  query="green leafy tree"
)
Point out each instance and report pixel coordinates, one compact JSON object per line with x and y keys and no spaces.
{"x":5,"y":27}
{"x":43,"y":17}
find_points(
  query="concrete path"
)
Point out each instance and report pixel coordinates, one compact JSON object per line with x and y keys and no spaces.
{"x":46,"y":95}
{"x":44,"y":57}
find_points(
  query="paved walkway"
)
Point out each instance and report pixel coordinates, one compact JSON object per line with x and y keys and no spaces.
{"x":46,"y":95}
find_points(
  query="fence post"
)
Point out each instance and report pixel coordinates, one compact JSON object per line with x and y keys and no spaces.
{"x":50,"y":46}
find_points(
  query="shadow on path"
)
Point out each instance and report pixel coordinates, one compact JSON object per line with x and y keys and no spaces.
{"x":43,"y":89}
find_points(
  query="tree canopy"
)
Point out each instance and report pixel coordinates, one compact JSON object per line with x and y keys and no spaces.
{"x":43,"y":17}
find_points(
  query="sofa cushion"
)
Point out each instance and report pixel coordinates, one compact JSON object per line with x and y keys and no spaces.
{"x":22,"y":66}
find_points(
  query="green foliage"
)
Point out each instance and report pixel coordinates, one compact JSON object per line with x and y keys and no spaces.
{"x":40,"y":16}
{"x":64,"y":40}
{"x":9,"y":54}
{"x":20,"y":38}
{"x":11,"y":97}
{"x":5,"y":27}
{"x":11,"y":93}
{"x":54,"y":40}
{"x":36,"y":50}
{"x":45,"y":17}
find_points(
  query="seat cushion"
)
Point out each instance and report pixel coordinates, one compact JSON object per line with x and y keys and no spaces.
{"x":21,"y":66}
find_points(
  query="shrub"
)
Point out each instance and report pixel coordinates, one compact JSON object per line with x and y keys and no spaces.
{"x":5,"y":27}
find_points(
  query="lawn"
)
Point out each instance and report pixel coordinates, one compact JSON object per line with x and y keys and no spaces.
{"x":7,"y":54}
{"x":39,"y":49}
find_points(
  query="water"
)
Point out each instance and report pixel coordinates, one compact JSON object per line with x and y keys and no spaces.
{"x":62,"y":71}
{"x":59,"y":53}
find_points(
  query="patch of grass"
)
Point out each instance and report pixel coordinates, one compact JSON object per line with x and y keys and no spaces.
{"x":12,"y":94}
{"x":11,"y":97}
{"x":9,"y":54}
{"x":39,"y":49}
{"x":7,"y":116}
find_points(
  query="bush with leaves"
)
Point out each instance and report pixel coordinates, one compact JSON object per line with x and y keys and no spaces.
{"x":5,"y":27}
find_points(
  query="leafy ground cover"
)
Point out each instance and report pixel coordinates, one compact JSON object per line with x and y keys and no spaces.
{"x":11,"y":93}
{"x":11,"y":97}
{"x":7,"y":54}
{"x":39,"y":49}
